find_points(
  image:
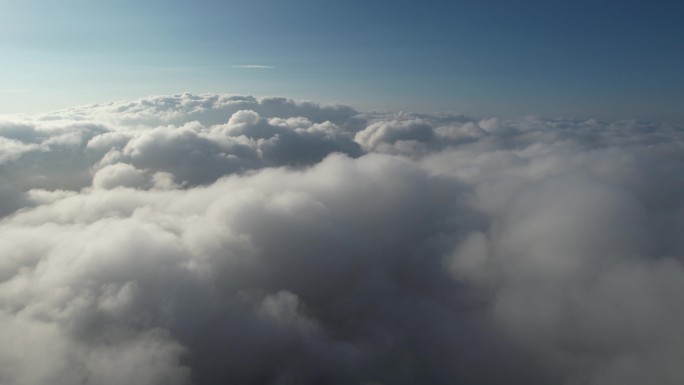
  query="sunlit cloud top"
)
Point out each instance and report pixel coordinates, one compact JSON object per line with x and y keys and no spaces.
{"x":228,"y":239}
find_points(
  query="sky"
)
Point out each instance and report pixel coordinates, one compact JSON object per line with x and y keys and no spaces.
{"x":214,"y":239}
{"x":315,"y":193}
{"x":603,"y":59}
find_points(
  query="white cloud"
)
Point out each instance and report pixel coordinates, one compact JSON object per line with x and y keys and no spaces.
{"x":120,"y":175}
{"x":226,"y":239}
{"x":254,"y":66}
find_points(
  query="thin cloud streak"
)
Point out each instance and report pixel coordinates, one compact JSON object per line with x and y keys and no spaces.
{"x":254,"y":66}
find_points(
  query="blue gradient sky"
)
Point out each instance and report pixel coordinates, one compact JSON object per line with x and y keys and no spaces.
{"x":605,"y":59}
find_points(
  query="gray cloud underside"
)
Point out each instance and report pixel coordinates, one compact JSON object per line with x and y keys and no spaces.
{"x":218,"y":239}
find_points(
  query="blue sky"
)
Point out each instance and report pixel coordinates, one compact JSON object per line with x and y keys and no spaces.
{"x":604,"y":59}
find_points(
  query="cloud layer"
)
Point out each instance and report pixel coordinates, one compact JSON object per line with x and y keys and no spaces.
{"x":213,"y":239}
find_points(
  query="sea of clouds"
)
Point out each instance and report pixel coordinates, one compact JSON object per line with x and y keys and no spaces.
{"x":217,"y":239}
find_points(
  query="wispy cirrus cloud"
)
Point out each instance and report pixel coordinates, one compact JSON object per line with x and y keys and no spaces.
{"x":254,"y":66}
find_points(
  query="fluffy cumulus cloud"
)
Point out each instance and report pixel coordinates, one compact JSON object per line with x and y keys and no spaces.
{"x":214,"y":239}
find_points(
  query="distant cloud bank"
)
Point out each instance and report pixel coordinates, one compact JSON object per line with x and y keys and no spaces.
{"x":222,"y":239}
